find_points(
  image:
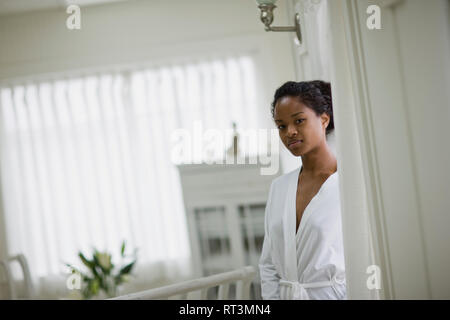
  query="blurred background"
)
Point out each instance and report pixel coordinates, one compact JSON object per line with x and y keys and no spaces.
{"x":88,"y":116}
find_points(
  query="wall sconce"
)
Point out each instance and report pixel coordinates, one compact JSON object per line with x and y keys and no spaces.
{"x":267,"y":7}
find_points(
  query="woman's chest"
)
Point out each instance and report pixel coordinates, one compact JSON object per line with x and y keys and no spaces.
{"x":307,"y":190}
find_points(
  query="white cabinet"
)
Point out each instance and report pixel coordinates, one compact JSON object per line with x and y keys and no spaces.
{"x":225,"y":206}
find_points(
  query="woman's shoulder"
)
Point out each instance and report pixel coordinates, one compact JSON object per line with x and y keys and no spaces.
{"x":291,"y":176}
{"x":285,"y":178}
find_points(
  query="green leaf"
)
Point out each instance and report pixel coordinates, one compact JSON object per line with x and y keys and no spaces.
{"x":97,"y":270}
{"x":72,"y":268}
{"x":122,"y":249}
{"x":126,"y":269}
{"x":95,"y":259}
{"x":94,"y":286}
{"x":86,"y":262}
{"x":104,"y":270}
{"x":76,"y":270}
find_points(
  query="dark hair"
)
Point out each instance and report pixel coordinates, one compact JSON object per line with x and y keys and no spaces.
{"x":314,"y":94}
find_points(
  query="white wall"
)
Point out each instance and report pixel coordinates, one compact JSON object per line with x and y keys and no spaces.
{"x":392,"y":109}
{"x":407,"y":67}
{"x":400,"y":77}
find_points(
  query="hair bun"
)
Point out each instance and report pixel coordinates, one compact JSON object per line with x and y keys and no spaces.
{"x":324,"y":87}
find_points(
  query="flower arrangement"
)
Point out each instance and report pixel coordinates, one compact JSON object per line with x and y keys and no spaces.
{"x":102,"y":274}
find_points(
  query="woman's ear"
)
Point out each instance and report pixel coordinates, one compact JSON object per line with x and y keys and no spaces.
{"x":325,"y":119}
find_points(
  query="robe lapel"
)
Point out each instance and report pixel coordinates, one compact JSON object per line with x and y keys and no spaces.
{"x":289,"y":222}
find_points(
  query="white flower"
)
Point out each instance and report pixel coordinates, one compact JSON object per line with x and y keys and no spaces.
{"x":104,"y":259}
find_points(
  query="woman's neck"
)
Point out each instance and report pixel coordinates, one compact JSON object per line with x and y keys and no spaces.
{"x":319,"y":161}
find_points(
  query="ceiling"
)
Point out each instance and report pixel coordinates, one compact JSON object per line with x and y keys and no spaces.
{"x":18,"y":6}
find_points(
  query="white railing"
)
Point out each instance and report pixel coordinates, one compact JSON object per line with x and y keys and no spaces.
{"x":184,"y":290}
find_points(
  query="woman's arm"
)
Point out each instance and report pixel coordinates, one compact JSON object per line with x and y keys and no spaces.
{"x":269,"y":276}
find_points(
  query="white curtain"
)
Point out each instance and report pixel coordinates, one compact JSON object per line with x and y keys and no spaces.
{"x":85,"y":161}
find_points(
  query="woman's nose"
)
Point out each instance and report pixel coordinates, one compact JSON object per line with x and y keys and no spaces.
{"x":292,"y":131}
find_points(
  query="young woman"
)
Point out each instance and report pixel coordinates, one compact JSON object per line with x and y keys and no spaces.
{"x":303,"y":254}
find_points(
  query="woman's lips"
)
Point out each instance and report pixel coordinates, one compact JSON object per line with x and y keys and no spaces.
{"x":294,"y":143}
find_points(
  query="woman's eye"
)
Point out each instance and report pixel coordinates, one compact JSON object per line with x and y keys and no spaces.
{"x":300,"y":120}
{"x":280,"y":127}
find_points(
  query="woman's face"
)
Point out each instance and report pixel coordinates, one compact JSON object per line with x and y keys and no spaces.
{"x":300,"y":129}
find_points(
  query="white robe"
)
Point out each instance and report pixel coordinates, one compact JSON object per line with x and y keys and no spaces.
{"x":308,"y":264}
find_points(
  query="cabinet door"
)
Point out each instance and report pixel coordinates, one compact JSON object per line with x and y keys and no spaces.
{"x":213,"y":239}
